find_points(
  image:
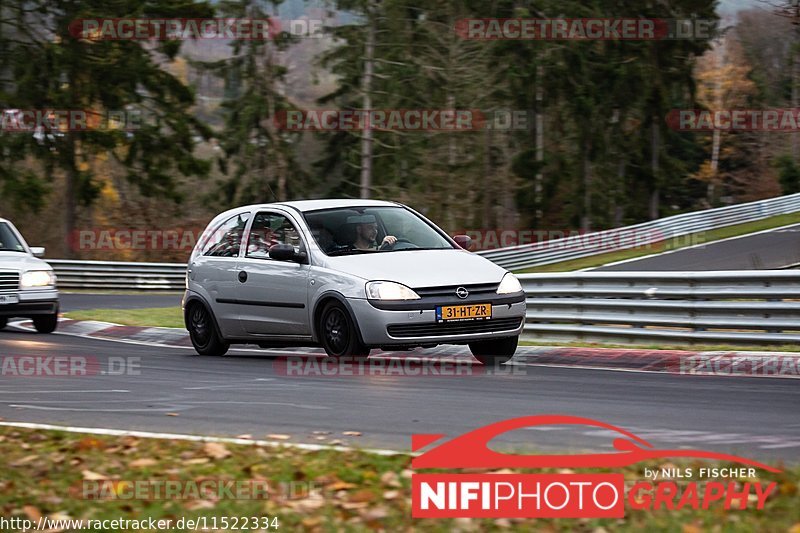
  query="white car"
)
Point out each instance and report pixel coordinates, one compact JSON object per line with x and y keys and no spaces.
{"x":27,"y":284}
{"x":349,"y":275}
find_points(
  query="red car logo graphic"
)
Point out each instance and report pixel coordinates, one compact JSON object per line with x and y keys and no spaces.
{"x":470,"y":450}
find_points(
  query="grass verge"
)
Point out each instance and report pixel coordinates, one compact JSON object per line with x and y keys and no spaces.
{"x":165,"y":317}
{"x":670,"y":244}
{"x":43,"y":474}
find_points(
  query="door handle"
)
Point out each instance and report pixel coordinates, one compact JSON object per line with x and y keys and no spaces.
{"x":242,"y":276}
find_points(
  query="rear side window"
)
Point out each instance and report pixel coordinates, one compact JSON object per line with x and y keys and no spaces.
{"x":226,"y":240}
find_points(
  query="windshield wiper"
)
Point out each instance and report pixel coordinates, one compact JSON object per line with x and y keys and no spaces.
{"x":335,"y":253}
{"x":11,"y":250}
{"x":417,"y":249}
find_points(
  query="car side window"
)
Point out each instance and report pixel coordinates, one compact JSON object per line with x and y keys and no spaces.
{"x":8,"y":241}
{"x":269,"y":229}
{"x":227,"y":238}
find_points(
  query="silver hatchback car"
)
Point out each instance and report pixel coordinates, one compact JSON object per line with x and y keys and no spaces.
{"x":350,"y":275}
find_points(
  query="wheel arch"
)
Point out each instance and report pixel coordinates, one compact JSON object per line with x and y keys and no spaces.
{"x":320,"y":304}
{"x":194,"y":299}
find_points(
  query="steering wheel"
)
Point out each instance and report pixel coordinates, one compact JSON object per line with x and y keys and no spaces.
{"x":400,"y":244}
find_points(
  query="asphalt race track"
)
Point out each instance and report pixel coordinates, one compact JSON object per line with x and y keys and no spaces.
{"x":762,"y":251}
{"x":172,"y":390}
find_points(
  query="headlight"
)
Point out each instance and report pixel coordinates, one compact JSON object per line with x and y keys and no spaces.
{"x":389,"y":290}
{"x":37,"y":278}
{"x":509,"y":285}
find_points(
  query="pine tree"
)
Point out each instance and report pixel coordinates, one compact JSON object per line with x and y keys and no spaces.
{"x":259,"y":156}
{"x":43,"y":66}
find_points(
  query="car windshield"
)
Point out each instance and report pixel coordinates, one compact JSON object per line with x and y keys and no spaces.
{"x":354,"y":230}
{"x":8,"y":241}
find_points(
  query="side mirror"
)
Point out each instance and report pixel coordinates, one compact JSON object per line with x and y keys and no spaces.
{"x":463,"y":241}
{"x":282,"y":252}
{"x":285,"y":252}
{"x":37,"y":251}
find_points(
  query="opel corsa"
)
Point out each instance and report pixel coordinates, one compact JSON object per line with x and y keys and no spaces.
{"x":350,"y":275}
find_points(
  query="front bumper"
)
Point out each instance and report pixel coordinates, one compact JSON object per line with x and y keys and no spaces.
{"x":381,"y":327}
{"x":31,"y":302}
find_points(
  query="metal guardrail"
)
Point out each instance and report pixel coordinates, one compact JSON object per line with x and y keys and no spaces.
{"x":729,"y":307}
{"x":638,"y":235}
{"x":116,"y":275}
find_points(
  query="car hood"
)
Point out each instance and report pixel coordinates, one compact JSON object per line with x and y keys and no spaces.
{"x":21,"y":261}
{"x":422,"y":268}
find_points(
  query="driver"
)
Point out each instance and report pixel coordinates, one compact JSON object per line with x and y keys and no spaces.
{"x":367,"y":232}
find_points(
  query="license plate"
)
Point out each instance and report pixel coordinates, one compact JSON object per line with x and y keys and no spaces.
{"x":6,"y":299}
{"x":453,"y":313}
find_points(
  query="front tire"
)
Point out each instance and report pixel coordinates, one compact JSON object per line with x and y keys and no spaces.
{"x":494,"y":352}
{"x":203,"y":331}
{"x":45,"y":323}
{"x":339,"y":333}
{"x":3,"y":322}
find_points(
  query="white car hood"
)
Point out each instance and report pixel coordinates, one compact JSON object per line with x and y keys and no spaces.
{"x":422,"y":268}
{"x":21,"y":261}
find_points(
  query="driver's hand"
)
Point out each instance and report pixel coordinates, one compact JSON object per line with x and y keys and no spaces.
{"x":389,"y":240}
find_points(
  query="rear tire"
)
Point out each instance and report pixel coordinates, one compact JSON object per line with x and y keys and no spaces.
{"x":203,"y":331}
{"x":338,"y":333}
{"x":45,"y":323}
{"x":494,"y":352}
{"x":3,"y":322}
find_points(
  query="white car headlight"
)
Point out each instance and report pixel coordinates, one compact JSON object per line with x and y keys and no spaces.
{"x":37,"y":278}
{"x":509,"y":285}
{"x":389,"y":290}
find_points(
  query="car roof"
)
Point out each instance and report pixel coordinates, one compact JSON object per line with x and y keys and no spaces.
{"x":313,"y":205}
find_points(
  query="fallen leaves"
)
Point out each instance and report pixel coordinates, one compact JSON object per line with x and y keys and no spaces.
{"x":335,"y":491}
{"x":144,"y":462}
{"x":390,"y":479}
{"x":216,"y":450}
{"x":340,"y":485}
{"x":363,"y":495}
{"x":90,"y":443}
{"x":88,"y":475}
{"x":379,"y":512}
{"x":313,"y":502}
{"x":197,"y":461}
{"x":23,"y":461}
{"x":32,"y":512}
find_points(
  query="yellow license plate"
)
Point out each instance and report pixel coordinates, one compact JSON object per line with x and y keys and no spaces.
{"x":447,"y":313}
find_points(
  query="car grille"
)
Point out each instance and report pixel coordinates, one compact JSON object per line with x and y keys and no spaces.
{"x":450,"y":290}
{"x":430,"y":329}
{"x":9,"y":281}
